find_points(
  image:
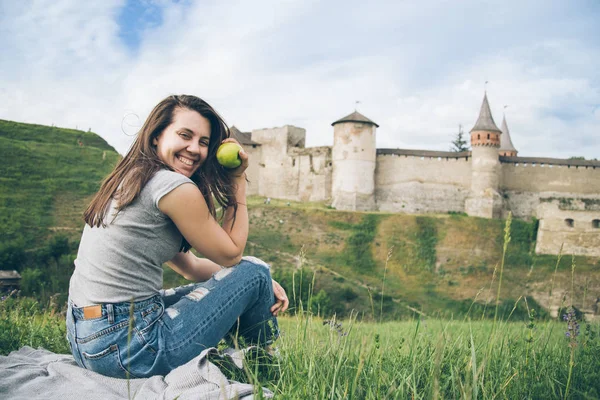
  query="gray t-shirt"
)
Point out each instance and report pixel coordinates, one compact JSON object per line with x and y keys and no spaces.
{"x":123,"y":261}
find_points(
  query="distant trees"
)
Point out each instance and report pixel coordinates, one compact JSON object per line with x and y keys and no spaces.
{"x":460,"y":143}
{"x":12,"y":255}
{"x":44,"y":270}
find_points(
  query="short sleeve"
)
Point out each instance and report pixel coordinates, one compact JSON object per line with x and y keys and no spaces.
{"x":163,"y":182}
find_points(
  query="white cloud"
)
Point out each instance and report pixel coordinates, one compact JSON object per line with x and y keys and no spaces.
{"x":417,"y":68}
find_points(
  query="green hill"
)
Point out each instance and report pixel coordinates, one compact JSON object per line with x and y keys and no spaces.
{"x":374,"y":264}
{"x":46,"y":176}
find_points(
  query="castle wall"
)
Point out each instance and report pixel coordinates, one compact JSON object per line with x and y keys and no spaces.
{"x":285,"y":169}
{"x":413,"y":184}
{"x":252,"y":172}
{"x":314,"y":172}
{"x":549,"y":178}
{"x":277,"y":178}
{"x":524,"y":184}
{"x":575,"y":227}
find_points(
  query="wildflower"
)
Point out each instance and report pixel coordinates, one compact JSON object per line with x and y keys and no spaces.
{"x":337,"y":326}
{"x":572,"y":326}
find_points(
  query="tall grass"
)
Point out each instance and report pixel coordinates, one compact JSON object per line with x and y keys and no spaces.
{"x":417,"y":359}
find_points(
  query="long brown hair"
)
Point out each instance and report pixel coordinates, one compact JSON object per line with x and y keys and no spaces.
{"x":141,"y":162}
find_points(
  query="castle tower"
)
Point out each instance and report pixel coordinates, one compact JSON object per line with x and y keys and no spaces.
{"x":353,"y":158}
{"x":484,"y":199}
{"x":506,"y":146}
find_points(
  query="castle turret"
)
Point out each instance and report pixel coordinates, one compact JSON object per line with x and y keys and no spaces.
{"x":484,"y":199}
{"x":506,"y":146}
{"x":353,"y":157}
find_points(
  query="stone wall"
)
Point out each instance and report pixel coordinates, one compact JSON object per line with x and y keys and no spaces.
{"x":314,"y":170}
{"x":252,"y":172}
{"x":523,"y":184}
{"x":408,"y":182}
{"x":283,"y":168}
{"x":277,"y":177}
{"x":575,"y":227}
{"x":535,"y":177}
{"x":555,"y":191}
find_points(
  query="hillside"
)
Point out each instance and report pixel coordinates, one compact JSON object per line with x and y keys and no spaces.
{"x":437,"y":264}
{"x":46,"y":175}
{"x":432,"y":264}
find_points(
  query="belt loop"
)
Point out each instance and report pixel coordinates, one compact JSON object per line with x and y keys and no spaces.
{"x":110,"y":313}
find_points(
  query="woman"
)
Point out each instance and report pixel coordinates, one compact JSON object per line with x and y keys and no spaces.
{"x":158,"y":203}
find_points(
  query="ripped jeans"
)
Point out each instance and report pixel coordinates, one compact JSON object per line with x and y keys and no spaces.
{"x":174,"y":326}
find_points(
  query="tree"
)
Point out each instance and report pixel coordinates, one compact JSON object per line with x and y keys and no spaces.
{"x":459,"y":144}
{"x":58,"y":246}
{"x":12,"y":255}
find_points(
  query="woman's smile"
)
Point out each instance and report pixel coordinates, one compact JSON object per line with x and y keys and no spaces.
{"x":183,"y":145}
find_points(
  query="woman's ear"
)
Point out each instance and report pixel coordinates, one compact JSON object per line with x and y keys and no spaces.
{"x":154,"y":142}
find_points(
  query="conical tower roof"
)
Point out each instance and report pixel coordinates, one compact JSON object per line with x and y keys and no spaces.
{"x":485,"y":122}
{"x":355,"y":117}
{"x":505,"y":142}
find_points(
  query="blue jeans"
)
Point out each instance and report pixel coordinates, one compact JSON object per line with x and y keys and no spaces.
{"x":174,"y":326}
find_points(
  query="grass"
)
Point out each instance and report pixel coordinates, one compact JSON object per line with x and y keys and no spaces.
{"x":39,"y":165}
{"x":417,"y":358}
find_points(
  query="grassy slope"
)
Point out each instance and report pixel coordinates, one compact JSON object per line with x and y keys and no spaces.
{"x":46,"y":178}
{"x":432,"y":263}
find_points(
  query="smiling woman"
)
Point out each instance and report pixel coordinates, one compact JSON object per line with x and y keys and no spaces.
{"x":184,"y":144}
{"x":157,"y":204}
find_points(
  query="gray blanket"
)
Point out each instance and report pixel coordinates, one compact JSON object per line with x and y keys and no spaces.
{"x":40,"y":374}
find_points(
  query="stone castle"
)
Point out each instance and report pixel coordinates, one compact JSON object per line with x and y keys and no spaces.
{"x":489,"y":181}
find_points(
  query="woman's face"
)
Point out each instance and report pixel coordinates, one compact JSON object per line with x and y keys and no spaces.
{"x":183,"y":145}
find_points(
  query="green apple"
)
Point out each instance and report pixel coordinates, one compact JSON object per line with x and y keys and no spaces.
{"x":228,"y":155}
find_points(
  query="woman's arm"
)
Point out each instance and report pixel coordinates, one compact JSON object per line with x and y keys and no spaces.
{"x":193,"y":268}
{"x":187,"y":208}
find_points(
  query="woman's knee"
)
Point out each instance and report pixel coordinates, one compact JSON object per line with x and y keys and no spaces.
{"x":255,"y":267}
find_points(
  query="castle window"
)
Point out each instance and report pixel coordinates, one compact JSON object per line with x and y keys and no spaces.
{"x":569,"y":222}
{"x":478,"y":136}
{"x":596,"y":223}
{"x":293,"y":162}
{"x":488,"y":135}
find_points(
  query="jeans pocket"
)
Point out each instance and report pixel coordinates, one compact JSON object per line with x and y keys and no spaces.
{"x":152,"y":313}
{"x":107,"y":362}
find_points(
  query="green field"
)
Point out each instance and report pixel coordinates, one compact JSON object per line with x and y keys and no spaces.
{"x":417,"y":358}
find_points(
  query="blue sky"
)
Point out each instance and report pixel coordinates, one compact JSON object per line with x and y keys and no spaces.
{"x":418,"y":68}
{"x":135,"y":17}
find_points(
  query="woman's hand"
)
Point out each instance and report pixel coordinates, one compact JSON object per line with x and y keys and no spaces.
{"x":281,"y":299}
{"x":239,"y":171}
